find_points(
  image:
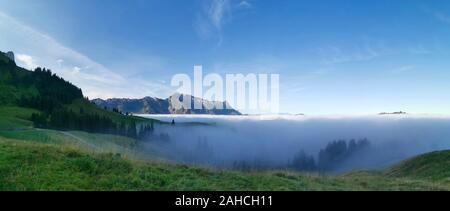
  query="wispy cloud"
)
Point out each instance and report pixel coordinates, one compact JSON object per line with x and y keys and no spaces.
{"x":26,"y":60}
{"x":297,"y":88}
{"x":215,"y":14}
{"x":218,"y":11}
{"x":365,"y":50}
{"x":419,"y":50}
{"x":403,"y":69}
{"x":442,"y":17}
{"x":245,"y":5}
{"x":35,"y":48}
{"x":336,"y":55}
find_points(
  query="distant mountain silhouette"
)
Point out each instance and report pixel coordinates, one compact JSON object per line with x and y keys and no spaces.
{"x":151,"y":105}
{"x":393,"y":113}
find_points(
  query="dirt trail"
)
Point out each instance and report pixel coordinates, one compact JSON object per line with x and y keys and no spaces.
{"x":81,"y":140}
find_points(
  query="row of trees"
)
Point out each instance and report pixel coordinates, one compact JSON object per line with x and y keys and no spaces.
{"x":331,"y":157}
{"x":40,"y":89}
{"x":52,"y":91}
{"x":64,"y":119}
{"x":337,"y":152}
{"x":303,"y":162}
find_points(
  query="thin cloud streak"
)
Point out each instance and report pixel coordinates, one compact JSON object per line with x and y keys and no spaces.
{"x":215,"y":14}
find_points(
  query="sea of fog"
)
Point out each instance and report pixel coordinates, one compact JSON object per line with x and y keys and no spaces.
{"x":275,"y":140}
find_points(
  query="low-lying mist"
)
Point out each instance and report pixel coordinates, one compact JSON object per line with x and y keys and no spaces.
{"x":270,"y":142}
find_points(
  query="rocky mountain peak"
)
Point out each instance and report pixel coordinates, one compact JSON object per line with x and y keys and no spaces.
{"x":10,"y":55}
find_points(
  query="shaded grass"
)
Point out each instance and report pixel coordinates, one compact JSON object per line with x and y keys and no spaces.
{"x":15,"y":118}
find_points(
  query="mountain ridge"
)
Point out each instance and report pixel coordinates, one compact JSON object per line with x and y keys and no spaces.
{"x":153,"y":105}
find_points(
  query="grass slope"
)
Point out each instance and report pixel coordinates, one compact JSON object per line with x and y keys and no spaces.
{"x":34,"y":159}
{"x":15,"y":118}
{"x":36,"y":166}
{"x":434,"y":166}
{"x":14,"y":125}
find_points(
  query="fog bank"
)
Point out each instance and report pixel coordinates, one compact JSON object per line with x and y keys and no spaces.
{"x":275,"y":140}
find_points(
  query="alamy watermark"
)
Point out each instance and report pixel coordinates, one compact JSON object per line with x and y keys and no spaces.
{"x":251,"y":92}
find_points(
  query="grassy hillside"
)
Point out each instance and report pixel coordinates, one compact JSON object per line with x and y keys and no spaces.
{"x":433,"y":166}
{"x":14,"y":124}
{"x":15,"y":118}
{"x":37,"y":166}
{"x":38,"y":159}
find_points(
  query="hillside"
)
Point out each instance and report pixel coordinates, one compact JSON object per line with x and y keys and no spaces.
{"x":58,"y":104}
{"x":10,"y":92}
{"x":33,"y":166}
{"x":434,"y":166}
{"x":37,"y":159}
{"x":40,"y":88}
{"x":150,"y":105}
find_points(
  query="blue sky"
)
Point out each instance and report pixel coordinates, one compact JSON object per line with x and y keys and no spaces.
{"x":333,"y":56}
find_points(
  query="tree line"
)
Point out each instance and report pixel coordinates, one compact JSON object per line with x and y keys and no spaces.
{"x":52,"y":90}
{"x":331,"y":157}
{"x":67,"y":119}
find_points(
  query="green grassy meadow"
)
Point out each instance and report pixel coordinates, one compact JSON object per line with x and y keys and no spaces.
{"x":38,"y":159}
